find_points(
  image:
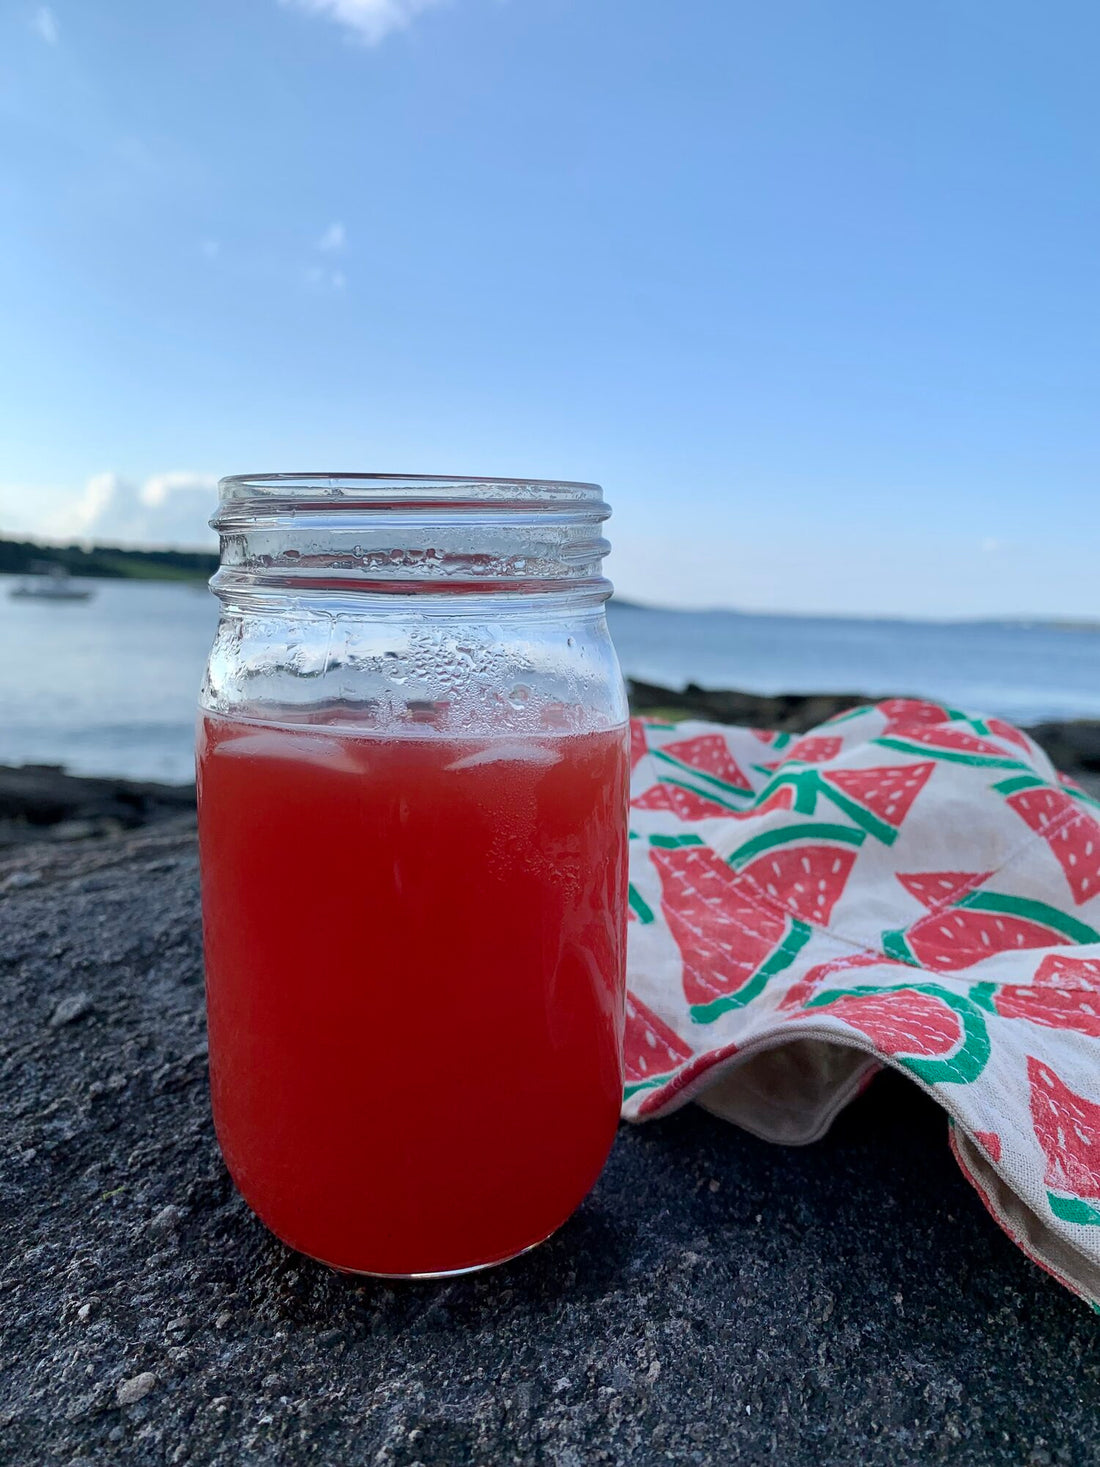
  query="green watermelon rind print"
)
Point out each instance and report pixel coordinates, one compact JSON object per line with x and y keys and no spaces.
{"x":978,"y":725}
{"x":709,"y":794}
{"x":808,"y":785}
{"x":952,"y":756}
{"x":895,"y":943}
{"x":641,"y":908}
{"x":983,"y":994}
{"x":711,"y":780}
{"x":1081,"y":796}
{"x":650,"y":1084}
{"x":795,"y":939}
{"x":1074,"y":1210}
{"x":767,"y":840}
{"x":968,"y":1061}
{"x":1020,"y":782}
{"x":1024,"y":782}
{"x":1030,"y":910}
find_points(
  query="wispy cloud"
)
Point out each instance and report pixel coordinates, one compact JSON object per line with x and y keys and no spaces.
{"x":166,"y":509}
{"x":45,"y":27}
{"x":320,"y":277}
{"x":333,"y":240}
{"x":326,"y":277}
{"x":371,"y":20}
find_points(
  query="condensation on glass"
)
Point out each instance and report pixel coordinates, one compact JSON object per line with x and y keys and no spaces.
{"x":412,"y":775}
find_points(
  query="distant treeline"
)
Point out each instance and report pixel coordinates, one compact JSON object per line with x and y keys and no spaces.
{"x":22,"y":557}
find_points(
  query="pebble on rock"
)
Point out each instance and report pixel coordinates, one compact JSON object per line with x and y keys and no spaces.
{"x":71,"y":1008}
{"x":166,"y":1220}
{"x":16,"y":880}
{"x":137,"y":1387}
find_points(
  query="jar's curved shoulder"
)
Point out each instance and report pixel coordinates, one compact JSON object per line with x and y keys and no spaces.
{"x":497,"y":668}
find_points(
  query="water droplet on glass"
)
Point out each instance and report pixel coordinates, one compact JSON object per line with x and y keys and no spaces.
{"x":395,"y":668}
{"x":519,"y":695}
{"x":570,"y":641}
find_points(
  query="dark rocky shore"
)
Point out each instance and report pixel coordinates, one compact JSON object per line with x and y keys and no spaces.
{"x":715,"y":1300}
{"x":40,"y":802}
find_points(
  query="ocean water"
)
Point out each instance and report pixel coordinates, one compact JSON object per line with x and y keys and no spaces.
{"x":109,"y":686}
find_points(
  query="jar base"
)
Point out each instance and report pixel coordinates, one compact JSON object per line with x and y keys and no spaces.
{"x":437,"y":1275}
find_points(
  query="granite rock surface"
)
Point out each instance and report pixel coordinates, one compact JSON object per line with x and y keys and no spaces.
{"x":716,"y":1299}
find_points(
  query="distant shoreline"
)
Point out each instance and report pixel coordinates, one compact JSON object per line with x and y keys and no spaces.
{"x":1024,"y":623}
{"x":114,"y":562}
{"x":118,"y":562}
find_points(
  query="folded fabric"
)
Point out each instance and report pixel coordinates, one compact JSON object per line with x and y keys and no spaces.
{"x":906,"y":885}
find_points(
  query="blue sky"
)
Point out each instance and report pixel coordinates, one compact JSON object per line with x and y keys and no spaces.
{"x":811,"y":289}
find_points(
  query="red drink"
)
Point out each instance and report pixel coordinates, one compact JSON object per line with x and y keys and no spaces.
{"x":415,"y":973}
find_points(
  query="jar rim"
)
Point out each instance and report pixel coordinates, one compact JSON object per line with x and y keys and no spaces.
{"x":372,"y":487}
{"x":398,"y":533}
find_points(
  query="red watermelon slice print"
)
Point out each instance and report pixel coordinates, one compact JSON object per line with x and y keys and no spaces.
{"x":935,"y":889}
{"x":729,"y":943}
{"x":709,"y":754}
{"x":1068,"y":829}
{"x":966,"y":924}
{"x":651,"y":1050}
{"x":887,"y":792}
{"x":1005,"y":730}
{"x":876,"y":800}
{"x":949,"y":743}
{"x":937,"y":1034}
{"x":807,"y":880}
{"x":638,"y":746}
{"x":684,"y":803}
{"x":990,"y":1143}
{"x":1064,"y":994}
{"x":799,"y":992}
{"x":780,"y":799}
{"x":1067,"y":1127}
{"x":1059,"y":970}
{"x":901,"y":1021}
{"x":904,"y":713}
{"x":818,"y":749}
{"x":771,"y":736}
{"x":958,"y":938}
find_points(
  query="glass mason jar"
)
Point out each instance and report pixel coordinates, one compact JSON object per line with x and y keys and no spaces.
{"x":412,"y":773}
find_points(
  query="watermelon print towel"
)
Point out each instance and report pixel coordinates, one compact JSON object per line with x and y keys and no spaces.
{"x":907,"y":885}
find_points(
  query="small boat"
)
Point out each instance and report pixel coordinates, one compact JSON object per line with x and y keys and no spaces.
{"x":50,"y":583}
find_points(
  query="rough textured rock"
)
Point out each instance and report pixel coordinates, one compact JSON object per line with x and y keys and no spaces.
{"x":1073,"y":745}
{"x":42,"y":802}
{"x":715,"y":1300}
{"x":792,"y":712}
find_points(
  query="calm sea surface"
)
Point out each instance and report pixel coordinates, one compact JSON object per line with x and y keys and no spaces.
{"x":108,"y":686}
